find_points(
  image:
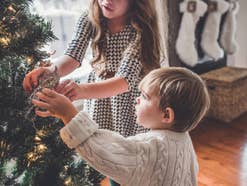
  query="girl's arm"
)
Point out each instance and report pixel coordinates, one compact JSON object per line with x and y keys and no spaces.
{"x":127,"y":77}
{"x":105,"y":88}
{"x":65,"y":65}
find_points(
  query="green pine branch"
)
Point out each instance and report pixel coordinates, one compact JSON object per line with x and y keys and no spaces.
{"x":39,"y":155}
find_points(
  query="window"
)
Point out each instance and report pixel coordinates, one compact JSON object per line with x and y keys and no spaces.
{"x":64,"y":14}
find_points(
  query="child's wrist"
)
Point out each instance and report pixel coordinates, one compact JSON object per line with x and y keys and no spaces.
{"x":69,"y":116}
{"x":51,"y":69}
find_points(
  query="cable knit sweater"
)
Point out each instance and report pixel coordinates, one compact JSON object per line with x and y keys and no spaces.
{"x":159,"y":157}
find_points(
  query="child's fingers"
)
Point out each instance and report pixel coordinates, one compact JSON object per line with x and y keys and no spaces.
{"x":31,"y":79}
{"x":61,"y":86}
{"x":35,"y":74}
{"x":40,"y":104}
{"x":68,"y":88}
{"x":49,"y":92}
{"x":43,"y":113}
{"x":72,"y":98}
{"x":27,"y":83}
{"x":43,"y":96}
{"x":70,"y":95}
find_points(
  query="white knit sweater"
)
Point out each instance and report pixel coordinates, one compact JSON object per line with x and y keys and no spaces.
{"x":159,"y":157}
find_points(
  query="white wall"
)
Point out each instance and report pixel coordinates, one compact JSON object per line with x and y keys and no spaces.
{"x":163,"y":27}
{"x":240,"y":58}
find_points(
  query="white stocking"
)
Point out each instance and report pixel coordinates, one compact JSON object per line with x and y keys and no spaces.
{"x":185,"y":45}
{"x":227,"y":39}
{"x":209,"y":42}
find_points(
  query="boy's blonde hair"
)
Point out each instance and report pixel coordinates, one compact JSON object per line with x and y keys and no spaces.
{"x":142,"y":16}
{"x":183,"y":91}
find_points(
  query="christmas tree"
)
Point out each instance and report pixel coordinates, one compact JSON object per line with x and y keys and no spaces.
{"x":31,"y":151}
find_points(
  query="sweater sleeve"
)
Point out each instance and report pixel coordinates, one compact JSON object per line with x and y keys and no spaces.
{"x":110,"y":153}
{"x":79,"y":44}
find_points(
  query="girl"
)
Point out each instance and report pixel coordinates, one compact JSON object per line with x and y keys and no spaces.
{"x":125,"y":42}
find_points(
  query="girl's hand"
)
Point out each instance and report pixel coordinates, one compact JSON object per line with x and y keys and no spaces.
{"x":55,"y":104}
{"x":31,"y":79}
{"x":70,"y":89}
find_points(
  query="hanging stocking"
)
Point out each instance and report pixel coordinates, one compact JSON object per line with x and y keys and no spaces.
{"x":227,"y":39}
{"x":209,"y":42}
{"x":185,"y":45}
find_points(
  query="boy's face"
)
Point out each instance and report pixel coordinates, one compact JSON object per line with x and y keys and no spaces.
{"x":148,"y":112}
{"x":114,"y":8}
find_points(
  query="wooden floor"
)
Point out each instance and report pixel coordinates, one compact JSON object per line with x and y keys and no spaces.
{"x":222,"y":152}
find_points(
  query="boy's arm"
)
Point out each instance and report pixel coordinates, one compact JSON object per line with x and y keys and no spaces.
{"x":111,"y":154}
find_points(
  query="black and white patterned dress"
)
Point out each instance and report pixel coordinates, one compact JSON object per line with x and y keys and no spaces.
{"x":115,"y":113}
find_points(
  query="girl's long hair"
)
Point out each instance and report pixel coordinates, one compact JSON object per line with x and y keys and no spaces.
{"x":142,"y":16}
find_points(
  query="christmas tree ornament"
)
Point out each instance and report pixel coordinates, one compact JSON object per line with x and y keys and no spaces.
{"x":185,"y":45}
{"x":228,"y":34}
{"x":47,"y":80}
{"x":209,"y":41}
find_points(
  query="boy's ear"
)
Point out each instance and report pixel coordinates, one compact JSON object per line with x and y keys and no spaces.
{"x":168,"y":115}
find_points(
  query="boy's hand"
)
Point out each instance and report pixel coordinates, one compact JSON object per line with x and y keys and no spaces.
{"x":55,"y":104}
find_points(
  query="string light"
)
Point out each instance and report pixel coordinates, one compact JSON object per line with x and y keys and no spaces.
{"x":10,"y":8}
{"x":40,"y":133}
{"x":41,"y":148}
{"x":5,"y":41}
{"x":4,"y":147}
{"x":31,"y":156}
{"x":37,"y":138}
{"x":18,"y":35}
{"x":68,"y":181}
{"x":29,"y":60}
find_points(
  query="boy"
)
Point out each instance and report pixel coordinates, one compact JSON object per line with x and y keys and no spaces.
{"x":172,"y":102}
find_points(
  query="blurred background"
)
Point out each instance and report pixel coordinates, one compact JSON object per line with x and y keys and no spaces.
{"x":64,"y":15}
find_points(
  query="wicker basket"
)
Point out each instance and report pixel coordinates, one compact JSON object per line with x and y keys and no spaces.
{"x":228,"y":92}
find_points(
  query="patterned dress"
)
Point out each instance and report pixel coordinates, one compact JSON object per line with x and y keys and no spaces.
{"x":123,"y":59}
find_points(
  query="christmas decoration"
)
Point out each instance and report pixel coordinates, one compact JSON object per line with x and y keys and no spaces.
{"x":209,"y":42}
{"x":228,"y":34}
{"x":31,"y":152}
{"x":185,"y":45}
{"x":47,"y":80}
